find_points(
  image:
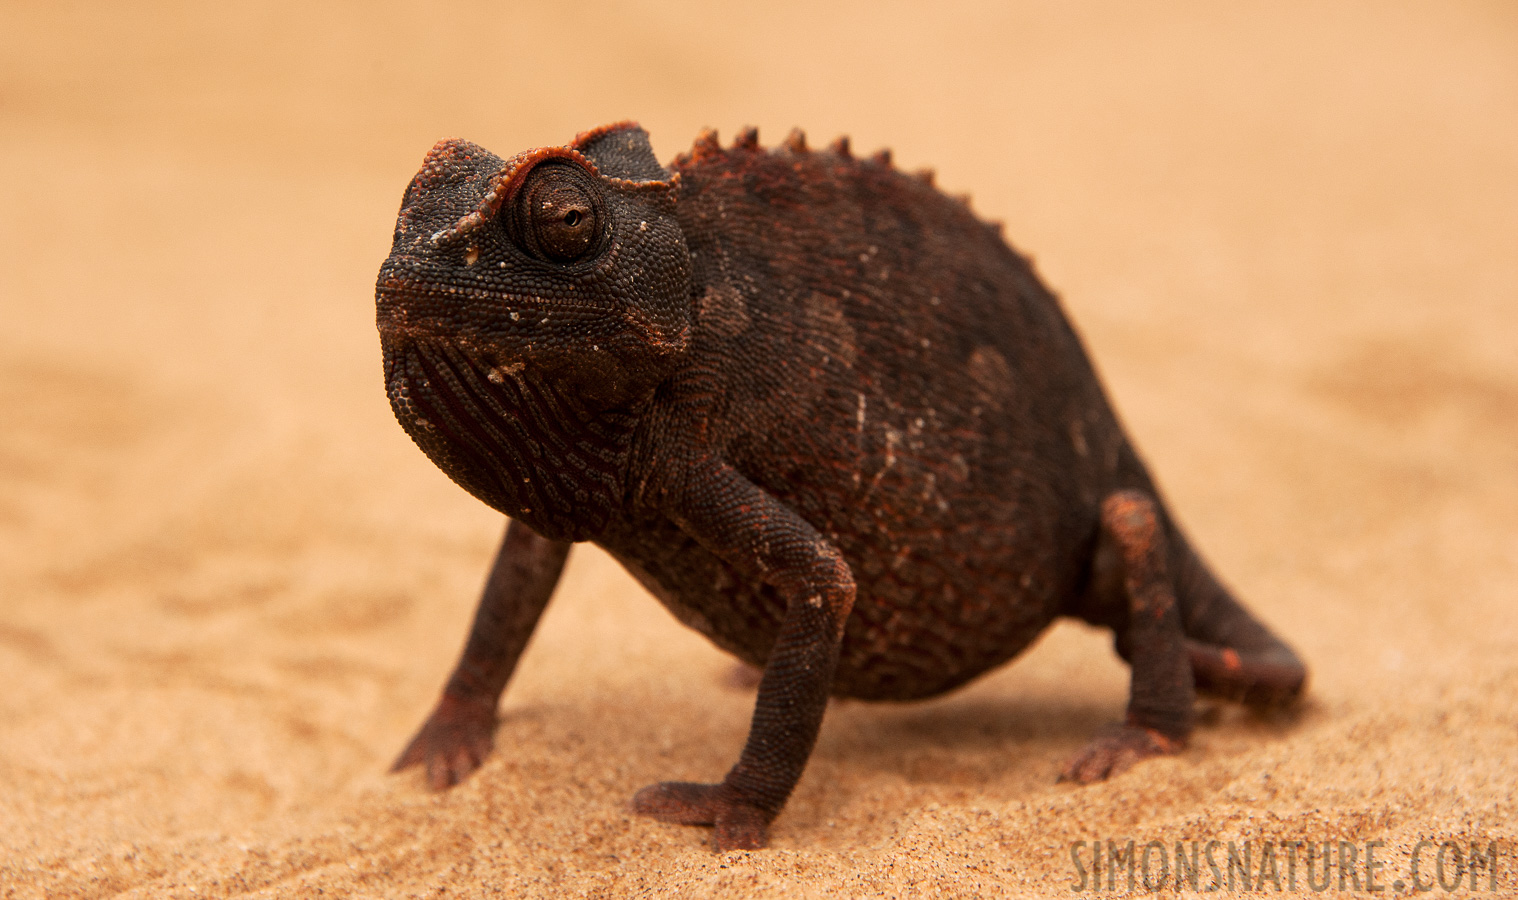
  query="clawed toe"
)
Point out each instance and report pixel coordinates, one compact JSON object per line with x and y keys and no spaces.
{"x":453,"y":765}
{"x":1116,"y":751}
{"x":739,"y":826}
{"x":452,"y":743}
{"x":678,"y":802}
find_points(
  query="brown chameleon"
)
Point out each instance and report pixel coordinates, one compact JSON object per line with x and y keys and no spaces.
{"x":826,"y":415}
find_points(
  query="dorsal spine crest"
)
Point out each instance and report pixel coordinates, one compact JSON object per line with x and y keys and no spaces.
{"x":707,"y":148}
{"x":706,"y":145}
{"x":746,"y":139}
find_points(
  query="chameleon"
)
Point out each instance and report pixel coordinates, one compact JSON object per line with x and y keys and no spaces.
{"x":824,"y":413}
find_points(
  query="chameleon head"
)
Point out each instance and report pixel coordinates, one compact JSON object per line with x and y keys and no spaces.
{"x":566,"y":260}
{"x":550,"y":287}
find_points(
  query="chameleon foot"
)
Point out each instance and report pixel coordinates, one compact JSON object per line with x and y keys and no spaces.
{"x":453,"y":742}
{"x":738,"y":825}
{"x":1116,"y":750}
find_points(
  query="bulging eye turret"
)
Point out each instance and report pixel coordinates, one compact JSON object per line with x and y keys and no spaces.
{"x":560,"y":213}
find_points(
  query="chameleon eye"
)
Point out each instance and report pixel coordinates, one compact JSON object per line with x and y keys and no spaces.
{"x":560,"y":213}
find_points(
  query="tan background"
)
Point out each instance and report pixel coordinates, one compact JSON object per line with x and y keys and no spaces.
{"x":231,"y":586}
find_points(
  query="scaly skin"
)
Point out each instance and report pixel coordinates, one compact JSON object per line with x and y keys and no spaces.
{"x":828,"y":417}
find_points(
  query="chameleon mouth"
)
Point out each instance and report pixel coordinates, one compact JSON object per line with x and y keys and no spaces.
{"x":417,"y":299}
{"x":405,"y":306}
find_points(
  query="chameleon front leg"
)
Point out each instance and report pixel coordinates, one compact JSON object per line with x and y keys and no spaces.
{"x":459,"y":734}
{"x":761,"y":537}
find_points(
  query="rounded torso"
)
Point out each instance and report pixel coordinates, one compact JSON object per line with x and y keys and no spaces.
{"x":877,"y":359}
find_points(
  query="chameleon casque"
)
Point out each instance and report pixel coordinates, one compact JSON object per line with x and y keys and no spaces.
{"x":820,"y":410}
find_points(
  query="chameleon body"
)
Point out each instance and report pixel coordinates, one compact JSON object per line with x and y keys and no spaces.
{"x":825,"y":414}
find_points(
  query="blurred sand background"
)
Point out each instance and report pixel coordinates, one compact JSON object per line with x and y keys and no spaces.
{"x":230,"y":587}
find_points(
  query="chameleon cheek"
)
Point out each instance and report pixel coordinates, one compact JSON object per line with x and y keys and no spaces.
{"x":668,"y":335}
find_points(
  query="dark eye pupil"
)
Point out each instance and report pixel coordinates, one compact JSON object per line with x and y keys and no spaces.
{"x":572,"y":218}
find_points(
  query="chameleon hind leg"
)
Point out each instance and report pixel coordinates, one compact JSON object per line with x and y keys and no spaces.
{"x":1133,"y":547}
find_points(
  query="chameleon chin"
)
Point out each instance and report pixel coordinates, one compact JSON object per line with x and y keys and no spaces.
{"x":825,"y":414}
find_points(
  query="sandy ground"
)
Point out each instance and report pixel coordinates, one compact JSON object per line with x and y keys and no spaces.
{"x":231,"y":586}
